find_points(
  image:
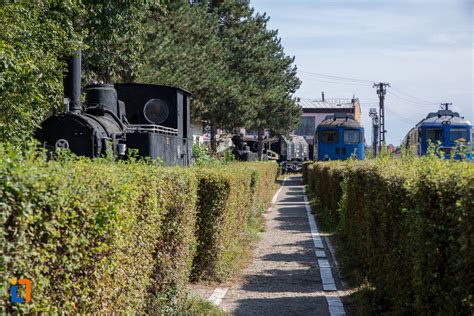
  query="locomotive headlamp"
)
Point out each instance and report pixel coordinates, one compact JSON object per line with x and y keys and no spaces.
{"x":156,"y":111}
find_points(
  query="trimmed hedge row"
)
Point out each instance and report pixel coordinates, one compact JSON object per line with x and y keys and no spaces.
{"x":228,"y":200}
{"x":102,"y":236}
{"x":96,"y":236}
{"x":407,"y":227}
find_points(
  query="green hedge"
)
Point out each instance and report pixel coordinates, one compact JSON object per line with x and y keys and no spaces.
{"x":120,"y":237}
{"x":406,"y":227}
{"x":229,"y":200}
{"x":96,"y":236}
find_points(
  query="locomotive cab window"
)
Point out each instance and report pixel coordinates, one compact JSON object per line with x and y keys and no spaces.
{"x":458,"y":135}
{"x":434,"y":135}
{"x":351,"y":136}
{"x":329,"y":136}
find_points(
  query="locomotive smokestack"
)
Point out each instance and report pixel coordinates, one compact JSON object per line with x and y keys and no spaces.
{"x":72,"y":82}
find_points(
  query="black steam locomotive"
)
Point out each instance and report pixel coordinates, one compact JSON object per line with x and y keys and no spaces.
{"x":153,"y":120}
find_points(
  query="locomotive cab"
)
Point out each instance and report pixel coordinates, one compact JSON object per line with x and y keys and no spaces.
{"x":339,"y":137}
{"x":446,"y":131}
{"x":159,"y":121}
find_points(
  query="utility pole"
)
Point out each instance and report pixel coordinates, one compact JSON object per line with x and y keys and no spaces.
{"x":381,"y":91}
{"x":445,"y":106}
{"x":375,"y":130}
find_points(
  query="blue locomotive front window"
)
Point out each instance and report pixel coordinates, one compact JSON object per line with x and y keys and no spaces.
{"x":458,"y":135}
{"x":351,"y":136}
{"x":329,"y":137}
{"x":435,"y":135}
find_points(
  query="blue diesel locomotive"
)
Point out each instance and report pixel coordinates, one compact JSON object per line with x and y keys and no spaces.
{"x":339,"y":137}
{"x":444,"y":129}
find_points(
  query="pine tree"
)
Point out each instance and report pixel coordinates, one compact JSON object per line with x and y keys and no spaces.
{"x":269,"y":77}
{"x":184,"y":48}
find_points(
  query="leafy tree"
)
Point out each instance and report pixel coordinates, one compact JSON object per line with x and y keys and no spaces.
{"x":33,"y":41}
{"x":219,"y":50}
{"x":115,"y":37}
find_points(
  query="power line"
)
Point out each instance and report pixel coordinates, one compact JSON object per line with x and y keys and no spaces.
{"x":402,"y":98}
{"x":401,"y":117}
{"x":412,"y":96}
{"x":335,"y":82}
{"x":337,"y":77}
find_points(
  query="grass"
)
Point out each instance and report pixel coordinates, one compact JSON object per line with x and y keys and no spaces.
{"x":199,"y":306}
{"x":327,"y":222}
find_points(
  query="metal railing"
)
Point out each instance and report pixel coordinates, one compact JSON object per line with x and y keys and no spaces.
{"x":150,"y":128}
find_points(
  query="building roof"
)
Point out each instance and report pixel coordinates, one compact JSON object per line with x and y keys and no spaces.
{"x":327,"y":103}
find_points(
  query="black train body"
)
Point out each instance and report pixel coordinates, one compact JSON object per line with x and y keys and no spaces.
{"x":151,"y":119}
{"x":158,"y":121}
{"x":242,"y":150}
{"x":289,"y":152}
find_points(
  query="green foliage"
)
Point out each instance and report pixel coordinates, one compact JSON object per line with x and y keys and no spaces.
{"x":199,"y":306}
{"x":115,"y":37}
{"x":202,"y":156}
{"x":269,"y":77}
{"x":33,"y":41}
{"x":111,"y":237}
{"x":406,"y":227}
{"x":229,"y":201}
{"x":96,"y":235}
{"x":235,"y":67}
{"x":184,"y":49}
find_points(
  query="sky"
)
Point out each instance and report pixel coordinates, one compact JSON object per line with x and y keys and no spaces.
{"x":423,"y":48}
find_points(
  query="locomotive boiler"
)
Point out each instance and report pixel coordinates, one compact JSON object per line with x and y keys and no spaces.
{"x":151,"y":120}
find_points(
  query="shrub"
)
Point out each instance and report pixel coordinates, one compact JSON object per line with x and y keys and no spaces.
{"x":263,"y":175}
{"x":120,"y":237}
{"x":228,"y":200}
{"x":95,"y":235}
{"x":406,"y":227}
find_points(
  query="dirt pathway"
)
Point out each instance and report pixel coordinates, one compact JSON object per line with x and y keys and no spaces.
{"x":288,"y":272}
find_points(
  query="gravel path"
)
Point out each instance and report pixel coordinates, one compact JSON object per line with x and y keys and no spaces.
{"x":284,"y":277}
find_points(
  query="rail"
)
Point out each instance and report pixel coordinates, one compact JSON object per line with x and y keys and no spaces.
{"x":150,"y":128}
